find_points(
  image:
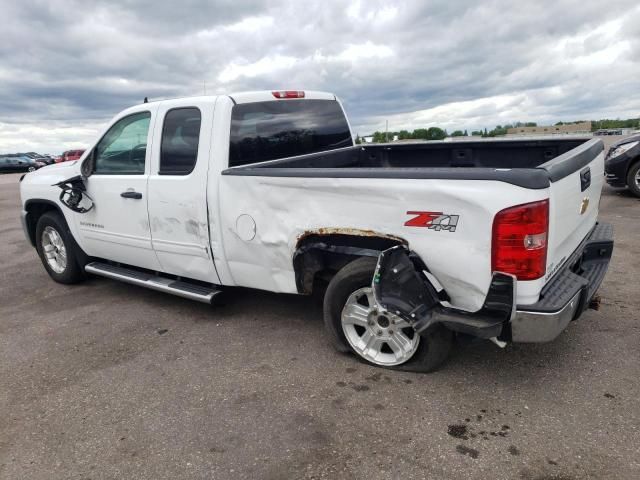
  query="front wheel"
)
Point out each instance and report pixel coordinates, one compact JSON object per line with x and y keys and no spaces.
{"x":633,"y":179}
{"x":56,"y":249}
{"x":354,"y":324}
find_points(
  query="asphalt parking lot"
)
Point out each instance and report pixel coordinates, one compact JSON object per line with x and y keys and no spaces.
{"x":106,"y":380}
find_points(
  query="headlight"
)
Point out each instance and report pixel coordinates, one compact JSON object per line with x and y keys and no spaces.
{"x":621,"y":149}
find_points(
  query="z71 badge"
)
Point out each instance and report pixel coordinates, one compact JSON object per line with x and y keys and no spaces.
{"x":434,"y":220}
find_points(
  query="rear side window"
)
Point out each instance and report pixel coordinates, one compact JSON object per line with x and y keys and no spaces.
{"x":180,"y":137}
{"x":263,"y":131}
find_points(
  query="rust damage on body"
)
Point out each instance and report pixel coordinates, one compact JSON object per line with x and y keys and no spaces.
{"x":357,"y":232}
{"x":321,"y":252}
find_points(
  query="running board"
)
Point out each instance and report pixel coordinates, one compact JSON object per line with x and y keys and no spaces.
{"x":180,"y":288}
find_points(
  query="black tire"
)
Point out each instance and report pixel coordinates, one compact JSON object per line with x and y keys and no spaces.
{"x":73,"y":272}
{"x":434,"y":348}
{"x":631,"y":179}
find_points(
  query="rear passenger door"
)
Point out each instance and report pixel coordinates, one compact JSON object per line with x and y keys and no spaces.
{"x":178,"y":209}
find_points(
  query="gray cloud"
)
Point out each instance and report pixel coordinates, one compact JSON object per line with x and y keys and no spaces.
{"x":72,"y":65}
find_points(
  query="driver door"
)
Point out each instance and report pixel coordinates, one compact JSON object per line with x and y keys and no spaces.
{"x":117,"y":228}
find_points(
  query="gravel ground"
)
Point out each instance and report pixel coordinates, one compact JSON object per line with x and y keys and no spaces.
{"x":106,"y":380}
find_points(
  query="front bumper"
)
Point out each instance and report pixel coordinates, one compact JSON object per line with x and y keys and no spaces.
{"x":615,"y":169}
{"x":569,"y":293}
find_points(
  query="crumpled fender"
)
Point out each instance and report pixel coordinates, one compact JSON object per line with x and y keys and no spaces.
{"x":400,"y":286}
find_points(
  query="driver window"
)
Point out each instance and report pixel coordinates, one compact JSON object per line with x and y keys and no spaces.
{"x":123,"y":148}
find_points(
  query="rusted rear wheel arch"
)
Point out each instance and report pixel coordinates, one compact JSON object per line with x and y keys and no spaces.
{"x":321,"y":253}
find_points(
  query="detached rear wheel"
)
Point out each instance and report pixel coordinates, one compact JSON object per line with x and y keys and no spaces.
{"x":56,"y":250}
{"x":380,"y":338}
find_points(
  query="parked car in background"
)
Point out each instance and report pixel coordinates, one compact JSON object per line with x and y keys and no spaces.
{"x":69,"y":155}
{"x":39,"y":158}
{"x":622,"y":164}
{"x":17,"y":163}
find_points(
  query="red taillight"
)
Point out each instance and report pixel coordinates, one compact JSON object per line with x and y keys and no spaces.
{"x":519,"y":240}
{"x":288,"y":94}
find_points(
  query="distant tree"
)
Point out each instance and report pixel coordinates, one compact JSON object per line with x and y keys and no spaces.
{"x":477,"y":133}
{"x":458,"y":133}
{"x":435,"y":133}
{"x":420,"y":134}
{"x":466,"y":134}
{"x":530,"y":124}
{"x":358,"y":140}
{"x":617,"y":123}
{"x":379,"y":137}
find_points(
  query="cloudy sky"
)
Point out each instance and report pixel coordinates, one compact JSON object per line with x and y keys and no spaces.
{"x":67,"y":66}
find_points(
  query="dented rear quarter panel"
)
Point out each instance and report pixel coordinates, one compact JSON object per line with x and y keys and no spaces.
{"x":286,"y":209}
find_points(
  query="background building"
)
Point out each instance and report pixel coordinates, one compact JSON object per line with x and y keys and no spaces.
{"x":573,"y":128}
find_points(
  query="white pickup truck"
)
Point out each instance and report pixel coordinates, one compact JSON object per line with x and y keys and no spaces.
{"x":410,"y":243}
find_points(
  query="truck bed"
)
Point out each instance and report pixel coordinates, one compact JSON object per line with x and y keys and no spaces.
{"x":527,"y":163}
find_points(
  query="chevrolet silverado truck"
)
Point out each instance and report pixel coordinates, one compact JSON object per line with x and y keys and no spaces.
{"x":410,"y":244}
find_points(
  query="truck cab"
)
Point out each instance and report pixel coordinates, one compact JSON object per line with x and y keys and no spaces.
{"x":152,"y":177}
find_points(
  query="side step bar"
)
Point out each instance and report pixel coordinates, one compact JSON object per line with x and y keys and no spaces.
{"x":180,"y":288}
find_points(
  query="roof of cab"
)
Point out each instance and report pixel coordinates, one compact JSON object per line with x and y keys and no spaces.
{"x":240,"y":97}
{"x":267,"y":95}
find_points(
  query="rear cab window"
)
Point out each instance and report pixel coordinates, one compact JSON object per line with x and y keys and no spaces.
{"x":180,"y":137}
{"x":271,"y":130}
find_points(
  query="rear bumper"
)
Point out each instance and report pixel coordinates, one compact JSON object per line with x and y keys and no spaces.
{"x":569,"y":293}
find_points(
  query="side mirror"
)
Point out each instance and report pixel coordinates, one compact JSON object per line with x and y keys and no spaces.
{"x":88,"y":165}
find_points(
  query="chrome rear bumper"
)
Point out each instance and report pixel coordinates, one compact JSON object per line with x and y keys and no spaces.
{"x":568,"y":294}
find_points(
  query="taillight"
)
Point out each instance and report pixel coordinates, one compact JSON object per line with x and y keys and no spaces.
{"x":519,"y":240}
{"x":288,"y":94}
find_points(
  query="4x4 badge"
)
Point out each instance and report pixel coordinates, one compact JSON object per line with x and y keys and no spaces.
{"x":433,"y":220}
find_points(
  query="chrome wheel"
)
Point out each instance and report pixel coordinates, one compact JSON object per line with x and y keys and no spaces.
{"x":379,"y":337}
{"x":54,"y":250}
{"x":31,"y":169}
{"x":637,"y":179}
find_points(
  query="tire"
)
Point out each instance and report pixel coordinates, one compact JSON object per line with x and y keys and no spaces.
{"x":354,"y":279}
{"x":633,"y":179}
{"x":53,"y":235}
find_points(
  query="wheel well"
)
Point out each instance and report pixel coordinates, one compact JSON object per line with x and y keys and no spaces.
{"x":318,"y":257}
{"x":35,"y":209}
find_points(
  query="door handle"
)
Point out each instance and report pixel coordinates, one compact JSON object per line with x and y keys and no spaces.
{"x":131,"y":194}
{"x":585,"y":179}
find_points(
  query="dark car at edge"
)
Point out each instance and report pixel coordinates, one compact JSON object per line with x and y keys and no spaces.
{"x":622,"y":164}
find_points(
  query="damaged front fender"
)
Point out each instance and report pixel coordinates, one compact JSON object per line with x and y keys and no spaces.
{"x":401,"y":286}
{"x":74,"y":194}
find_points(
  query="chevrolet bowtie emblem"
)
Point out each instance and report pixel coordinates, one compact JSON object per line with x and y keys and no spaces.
{"x":584,"y":205}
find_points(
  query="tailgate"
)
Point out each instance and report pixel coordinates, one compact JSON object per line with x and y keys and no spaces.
{"x":574,"y":200}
